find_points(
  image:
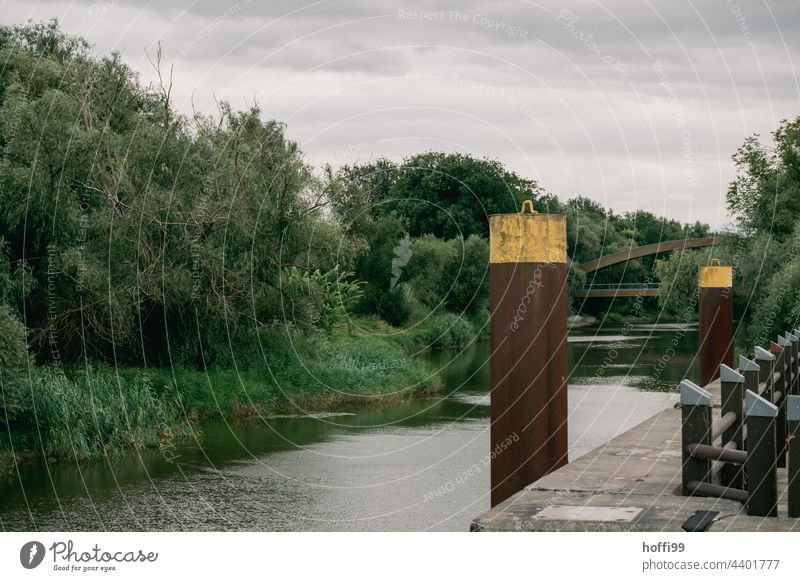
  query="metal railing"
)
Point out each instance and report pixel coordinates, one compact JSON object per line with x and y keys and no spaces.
{"x":737,"y":454}
{"x":622,"y":285}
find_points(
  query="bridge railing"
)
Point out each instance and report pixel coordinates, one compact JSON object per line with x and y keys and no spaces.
{"x":737,"y":453}
{"x":621,"y":285}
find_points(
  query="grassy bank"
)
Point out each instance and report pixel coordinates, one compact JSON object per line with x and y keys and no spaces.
{"x":84,"y":411}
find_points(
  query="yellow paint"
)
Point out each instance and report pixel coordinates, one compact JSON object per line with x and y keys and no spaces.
{"x":527,"y":237}
{"x":716,"y":276}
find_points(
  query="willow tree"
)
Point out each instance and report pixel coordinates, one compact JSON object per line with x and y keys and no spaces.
{"x":144,"y":235}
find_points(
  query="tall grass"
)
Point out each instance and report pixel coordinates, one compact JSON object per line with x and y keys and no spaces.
{"x":87,"y":413}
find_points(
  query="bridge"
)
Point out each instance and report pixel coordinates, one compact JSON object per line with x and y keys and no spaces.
{"x":611,"y":290}
{"x":633,"y":289}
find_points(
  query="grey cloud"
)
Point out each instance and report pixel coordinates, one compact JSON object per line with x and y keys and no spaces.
{"x":579,"y":103}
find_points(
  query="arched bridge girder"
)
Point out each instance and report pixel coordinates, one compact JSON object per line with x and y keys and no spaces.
{"x":646,"y":250}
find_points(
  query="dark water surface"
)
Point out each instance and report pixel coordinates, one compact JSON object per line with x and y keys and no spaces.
{"x":417,"y":465}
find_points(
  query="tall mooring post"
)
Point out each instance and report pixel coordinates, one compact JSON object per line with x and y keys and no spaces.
{"x":716,"y":320}
{"x":528,"y":301}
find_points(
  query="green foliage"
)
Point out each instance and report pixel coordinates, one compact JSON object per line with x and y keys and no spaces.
{"x":318,"y":299}
{"x":297,"y":369}
{"x":774,"y":279}
{"x":427,"y":271}
{"x":469,"y":293}
{"x":149,"y":237}
{"x":384,"y":236}
{"x":14,"y":365}
{"x":450,"y":274}
{"x":444,"y":194}
{"x":439,"y":331}
{"x":678,"y":292}
{"x":765,"y":196}
{"x":394,"y":307}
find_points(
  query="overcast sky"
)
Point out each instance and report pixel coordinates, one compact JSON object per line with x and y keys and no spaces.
{"x":638,"y":105}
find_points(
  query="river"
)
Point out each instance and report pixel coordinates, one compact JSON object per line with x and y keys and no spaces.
{"x":416,"y":465}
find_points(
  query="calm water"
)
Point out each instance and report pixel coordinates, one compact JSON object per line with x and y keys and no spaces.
{"x":409,"y":466}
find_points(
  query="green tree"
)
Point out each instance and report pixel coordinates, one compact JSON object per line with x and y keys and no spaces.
{"x":678,"y":277}
{"x":148,"y":235}
{"x":765,"y":196}
{"x":453,"y":194}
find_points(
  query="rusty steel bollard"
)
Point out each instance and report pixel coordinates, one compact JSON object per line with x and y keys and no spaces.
{"x":716,"y":320}
{"x":528,"y":302}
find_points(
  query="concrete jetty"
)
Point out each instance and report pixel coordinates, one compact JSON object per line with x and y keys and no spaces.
{"x":632,"y":483}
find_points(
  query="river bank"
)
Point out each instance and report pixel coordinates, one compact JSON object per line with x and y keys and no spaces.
{"x":79,"y":412}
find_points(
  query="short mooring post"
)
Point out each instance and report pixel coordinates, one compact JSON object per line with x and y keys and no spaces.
{"x":793,"y":487}
{"x":762,"y":477}
{"x":716,"y":320}
{"x":695,"y":429}
{"x":528,"y":301}
{"x":732,"y":392}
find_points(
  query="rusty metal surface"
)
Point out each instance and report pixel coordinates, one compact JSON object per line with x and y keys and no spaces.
{"x":640,"y":251}
{"x":716,"y":332}
{"x":529,"y":374}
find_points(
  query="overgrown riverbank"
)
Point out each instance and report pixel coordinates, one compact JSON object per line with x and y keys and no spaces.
{"x":79,"y":412}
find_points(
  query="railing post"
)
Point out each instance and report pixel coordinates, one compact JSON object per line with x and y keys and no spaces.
{"x":762,"y":477}
{"x":528,"y":300}
{"x":783,"y":354}
{"x":732,"y":391}
{"x":794,"y":384}
{"x":695,"y":429}
{"x":716,"y":320}
{"x":749,"y":369}
{"x":766,"y":367}
{"x":793,"y":486}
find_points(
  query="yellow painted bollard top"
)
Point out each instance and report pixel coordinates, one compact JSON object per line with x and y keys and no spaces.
{"x":715,"y":275}
{"x":527,"y":237}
